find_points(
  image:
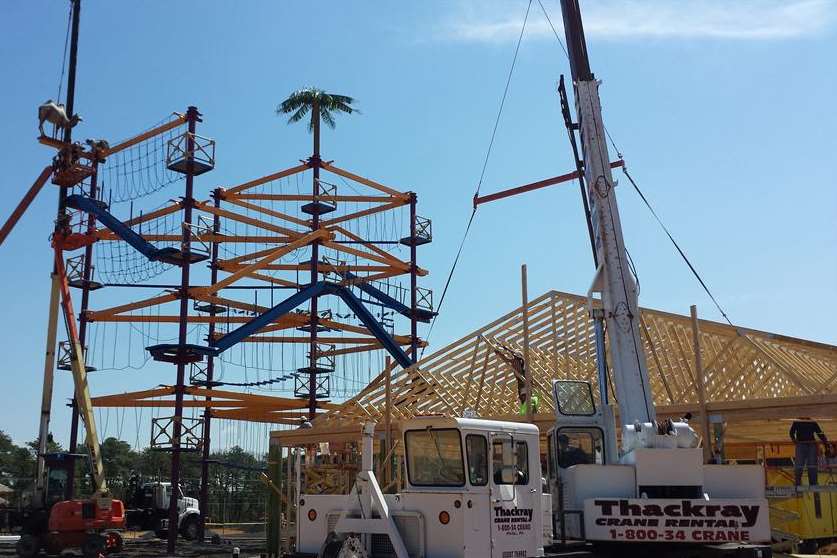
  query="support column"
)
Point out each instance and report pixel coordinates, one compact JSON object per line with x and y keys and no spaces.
{"x":527,"y":369}
{"x":61,"y":223}
{"x":413,"y":280}
{"x":210,"y":373}
{"x":388,"y":422}
{"x":192,"y":117}
{"x":87,"y":276}
{"x":315,"y":272}
{"x":701,"y":388}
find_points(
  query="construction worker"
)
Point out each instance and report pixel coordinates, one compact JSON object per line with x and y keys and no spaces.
{"x":535,"y":402}
{"x":802,"y":433}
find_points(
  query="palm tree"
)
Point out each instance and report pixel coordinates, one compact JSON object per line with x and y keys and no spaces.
{"x":320,"y":104}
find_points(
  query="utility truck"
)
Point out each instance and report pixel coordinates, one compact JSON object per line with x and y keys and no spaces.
{"x":473,"y":489}
{"x":148,"y":509}
{"x":473,"y":486}
{"x":656,"y":488}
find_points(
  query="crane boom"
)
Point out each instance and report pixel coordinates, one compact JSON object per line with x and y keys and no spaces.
{"x":613,"y":277}
{"x":79,"y":369}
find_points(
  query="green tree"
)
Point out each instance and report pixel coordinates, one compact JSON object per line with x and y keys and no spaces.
{"x":321,"y":106}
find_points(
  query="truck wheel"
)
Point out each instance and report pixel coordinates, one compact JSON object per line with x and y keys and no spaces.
{"x":93,"y":546}
{"x":113,"y":542}
{"x":191,"y":527}
{"x":28,"y":546}
{"x":54,"y":545}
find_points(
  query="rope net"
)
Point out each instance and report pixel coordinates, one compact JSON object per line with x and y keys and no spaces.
{"x":140,"y":170}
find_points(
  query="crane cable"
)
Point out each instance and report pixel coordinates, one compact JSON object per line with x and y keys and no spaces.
{"x":482,"y":173}
{"x":644,"y":199}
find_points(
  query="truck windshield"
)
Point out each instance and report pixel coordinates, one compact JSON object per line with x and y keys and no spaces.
{"x":434,"y":457}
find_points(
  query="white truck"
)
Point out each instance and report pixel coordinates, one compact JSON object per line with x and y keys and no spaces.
{"x":473,"y":489}
{"x":656,"y":488}
{"x":148,"y":509}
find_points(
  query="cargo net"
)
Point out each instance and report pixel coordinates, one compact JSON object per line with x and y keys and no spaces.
{"x":119,"y":262}
{"x":139,"y":170}
{"x":272,"y":365}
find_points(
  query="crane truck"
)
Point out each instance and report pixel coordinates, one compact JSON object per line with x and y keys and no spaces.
{"x":473,"y":487}
{"x":90,"y":524}
{"x":656,"y":488}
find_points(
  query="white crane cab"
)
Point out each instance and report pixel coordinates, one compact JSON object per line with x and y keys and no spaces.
{"x":473,"y":489}
{"x":658,"y":490}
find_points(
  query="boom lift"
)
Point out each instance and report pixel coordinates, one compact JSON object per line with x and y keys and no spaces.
{"x":657,"y":489}
{"x":87,"y":524}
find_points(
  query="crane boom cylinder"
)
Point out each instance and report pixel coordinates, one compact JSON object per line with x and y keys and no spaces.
{"x":82,"y":391}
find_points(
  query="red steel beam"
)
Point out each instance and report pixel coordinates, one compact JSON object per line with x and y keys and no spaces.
{"x":534,"y":186}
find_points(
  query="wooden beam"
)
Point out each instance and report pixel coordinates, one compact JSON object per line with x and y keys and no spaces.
{"x":229,"y":192}
{"x":365,"y":181}
{"x":701,"y":389}
{"x":181,"y":119}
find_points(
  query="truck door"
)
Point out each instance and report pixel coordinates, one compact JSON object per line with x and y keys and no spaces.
{"x":514,"y":512}
{"x":478,"y":509}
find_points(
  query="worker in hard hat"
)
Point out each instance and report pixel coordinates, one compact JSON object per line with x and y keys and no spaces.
{"x":802,"y":433}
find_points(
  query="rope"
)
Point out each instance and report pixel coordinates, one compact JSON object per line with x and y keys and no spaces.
{"x":482,"y":174}
{"x":557,"y":37}
{"x":676,"y":245}
{"x":64,"y":57}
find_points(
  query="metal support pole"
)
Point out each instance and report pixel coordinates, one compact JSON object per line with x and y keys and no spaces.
{"x":413,"y":280}
{"x":601,"y":355}
{"x":388,"y":421}
{"x":530,"y":414}
{"x":315,"y":273}
{"x":87,"y":275}
{"x":192,"y":117}
{"x":46,"y":393}
{"x":210,"y":375}
{"x":701,"y":387}
{"x":60,"y":223}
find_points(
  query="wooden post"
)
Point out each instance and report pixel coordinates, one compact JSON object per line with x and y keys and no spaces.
{"x":274,"y":500}
{"x":701,"y":388}
{"x":526,"y":368}
{"x":388,"y":421}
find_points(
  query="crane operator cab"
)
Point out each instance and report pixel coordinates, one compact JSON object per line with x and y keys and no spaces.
{"x":657,"y":490}
{"x":473,"y":488}
{"x":584,"y":434}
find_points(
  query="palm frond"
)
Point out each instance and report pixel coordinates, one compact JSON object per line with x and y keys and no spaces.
{"x":301,"y":102}
{"x":299,"y":114}
{"x":326,"y":116}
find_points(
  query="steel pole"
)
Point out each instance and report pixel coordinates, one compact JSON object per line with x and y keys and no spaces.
{"x":413,"y":280}
{"x":192,"y":116}
{"x":210,"y":374}
{"x":60,"y":222}
{"x":87,"y":274}
{"x":315,"y":256}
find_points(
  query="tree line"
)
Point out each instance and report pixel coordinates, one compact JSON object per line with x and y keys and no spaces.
{"x":235,"y":492}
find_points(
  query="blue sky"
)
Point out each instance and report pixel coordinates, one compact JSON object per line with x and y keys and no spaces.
{"x":724,"y":114}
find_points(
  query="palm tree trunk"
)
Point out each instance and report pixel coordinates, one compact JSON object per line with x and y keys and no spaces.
{"x":315,"y":256}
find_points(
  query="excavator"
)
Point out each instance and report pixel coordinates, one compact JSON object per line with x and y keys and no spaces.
{"x":90,"y":524}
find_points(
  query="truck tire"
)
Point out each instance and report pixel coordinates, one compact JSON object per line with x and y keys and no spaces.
{"x":28,"y":546}
{"x":190,"y":528}
{"x":113,"y":542}
{"x":93,"y":546}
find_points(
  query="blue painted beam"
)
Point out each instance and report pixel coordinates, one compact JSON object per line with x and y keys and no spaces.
{"x":317,"y":289}
{"x":374,"y":326}
{"x":120,"y":229}
{"x":388,"y":301}
{"x":239,"y":334}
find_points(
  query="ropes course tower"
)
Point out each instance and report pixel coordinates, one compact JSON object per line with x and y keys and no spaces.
{"x":299,"y":283}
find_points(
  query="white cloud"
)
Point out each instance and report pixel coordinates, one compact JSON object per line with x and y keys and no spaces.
{"x":491,"y":21}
